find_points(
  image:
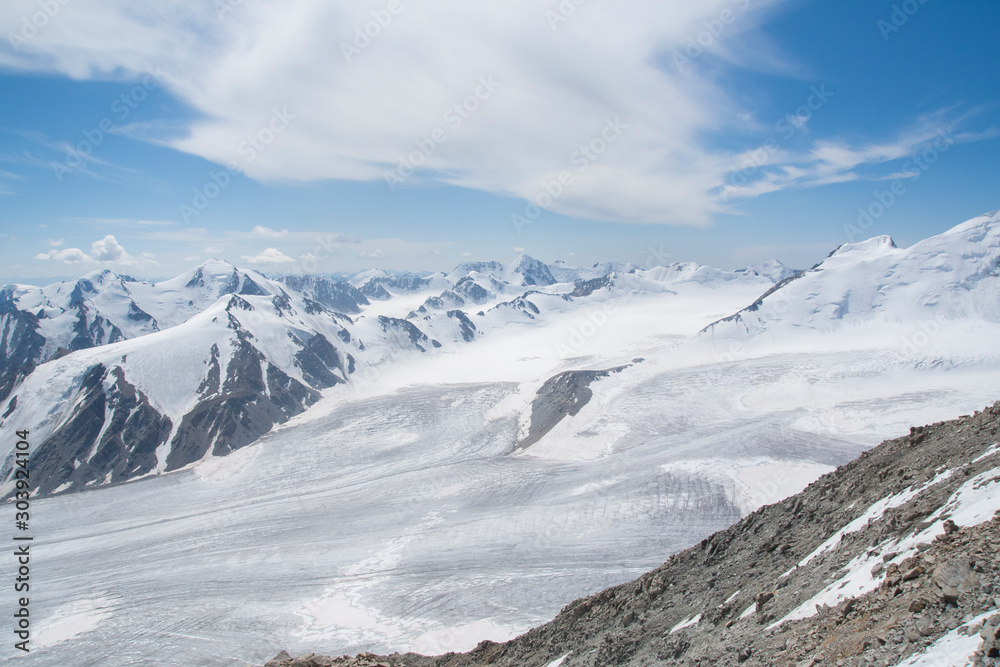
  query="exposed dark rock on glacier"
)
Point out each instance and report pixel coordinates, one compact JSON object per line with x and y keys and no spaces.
{"x":561,"y":395}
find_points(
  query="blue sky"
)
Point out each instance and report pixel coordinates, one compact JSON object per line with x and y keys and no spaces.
{"x":280,"y":136}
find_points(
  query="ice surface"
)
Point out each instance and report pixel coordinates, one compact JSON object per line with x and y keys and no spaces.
{"x":397,"y":519}
{"x":396,"y":515}
{"x":72,"y":619}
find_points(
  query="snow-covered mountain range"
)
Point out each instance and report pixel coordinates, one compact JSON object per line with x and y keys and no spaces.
{"x":121,"y":378}
{"x":426,"y":461}
{"x":947,"y":277}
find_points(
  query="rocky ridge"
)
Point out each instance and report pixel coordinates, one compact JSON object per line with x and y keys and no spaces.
{"x":889,"y":560}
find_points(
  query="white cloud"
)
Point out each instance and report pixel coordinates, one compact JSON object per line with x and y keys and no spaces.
{"x":282,"y":65}
{"x":214,"y":250}
{"x":107,"y":250}
{"x":518,"y":248}
{"x":54,"y":243}
{"x":761,"y":171}
{"x":269,"y":256}
{"x":67,"y":256}
{"x":260,"y":230}
{"x":374,"y":254}
{"x":277,"y":72}
{"x":103,"y":251}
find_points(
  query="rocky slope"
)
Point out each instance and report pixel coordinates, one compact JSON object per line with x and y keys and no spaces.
{"x":889,"y":560}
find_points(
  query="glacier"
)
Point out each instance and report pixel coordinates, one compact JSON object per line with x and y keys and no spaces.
{"x":400,"y":513}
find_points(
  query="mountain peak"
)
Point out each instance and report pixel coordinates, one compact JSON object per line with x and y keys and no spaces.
{"x":772,"y":269}
{"x":216,"y":266}
{"x":212,"y":271}
{"x":873,"y":247}
{"x":531,"y":270}
{"x":974,"y":230}
{"x":104,"y":276}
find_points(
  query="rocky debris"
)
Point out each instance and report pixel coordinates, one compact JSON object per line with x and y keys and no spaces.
{"x":989,"y":650}
{"x":561,"y":395}
{"x":744,"y":581}
{"x":313,"y":660}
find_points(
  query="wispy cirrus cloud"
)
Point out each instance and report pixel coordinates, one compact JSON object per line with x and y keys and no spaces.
{"x":825,"y":161}
{"x":552,"y":86}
